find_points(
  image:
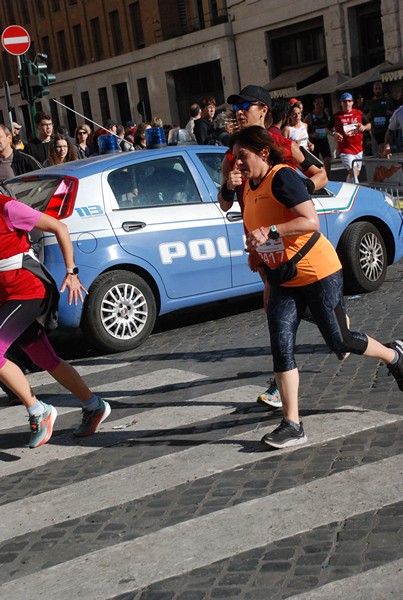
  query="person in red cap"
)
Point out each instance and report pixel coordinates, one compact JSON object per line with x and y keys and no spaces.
{"x":347,"y":127}
{"x":294,"y":101}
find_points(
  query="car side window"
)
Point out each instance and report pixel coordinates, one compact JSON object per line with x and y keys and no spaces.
{"x":212,"y":163}
{"x":156,"y":182}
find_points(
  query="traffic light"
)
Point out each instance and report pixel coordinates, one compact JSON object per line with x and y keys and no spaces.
{"x":40,"y":79}
{"x":24,"y":74}
{"x":34,"y":78}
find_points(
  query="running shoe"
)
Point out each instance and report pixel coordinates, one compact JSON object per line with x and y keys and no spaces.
{"x":42,"y":426}
{"x":271,"y":397}
{"x":92,"y":419}
{"x":285,"y":435}
{"x":397,"y":368}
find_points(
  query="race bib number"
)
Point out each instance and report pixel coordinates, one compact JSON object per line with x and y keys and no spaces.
{"x":321,"y":133}
{"x":350,"y":129}
{"x":272,"y":252}
{"x":379,"y":121}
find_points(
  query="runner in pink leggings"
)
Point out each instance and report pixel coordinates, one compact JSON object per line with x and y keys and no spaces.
{"x":28,"y":297}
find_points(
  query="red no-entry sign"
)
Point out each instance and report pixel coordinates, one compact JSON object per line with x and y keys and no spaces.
{"x":16,"y":40}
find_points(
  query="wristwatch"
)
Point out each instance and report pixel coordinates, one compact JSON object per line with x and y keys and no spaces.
{"x":73,"y":271}
{"x":273,"y":233}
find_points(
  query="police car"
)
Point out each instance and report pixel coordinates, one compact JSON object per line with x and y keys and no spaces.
{"x":150,"y":238}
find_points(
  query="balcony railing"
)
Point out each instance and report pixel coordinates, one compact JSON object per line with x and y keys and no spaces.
{"x":192,"y":25}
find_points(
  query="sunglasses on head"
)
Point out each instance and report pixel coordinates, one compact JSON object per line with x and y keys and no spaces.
{"x":245,"y":106}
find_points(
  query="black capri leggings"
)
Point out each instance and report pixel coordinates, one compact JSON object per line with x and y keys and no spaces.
{"x":325,"y":300}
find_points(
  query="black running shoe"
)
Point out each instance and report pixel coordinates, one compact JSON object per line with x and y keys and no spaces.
{"x":285,"y":435}
{"x":397,"y":368}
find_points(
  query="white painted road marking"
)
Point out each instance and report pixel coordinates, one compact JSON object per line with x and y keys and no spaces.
{"x":199,"y":542}
{"x":169,"y":471}
{"x":146,"y":423}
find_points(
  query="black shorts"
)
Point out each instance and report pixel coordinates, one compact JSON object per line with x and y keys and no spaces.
{"x":322,"y":148}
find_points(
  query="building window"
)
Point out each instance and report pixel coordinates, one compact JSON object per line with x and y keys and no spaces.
{"x":297,"y":46}
{"x":104,"y":104}
{"x":54,"y":114}
{"x":79,"y":44}
{"x":70,"y":114}
{"x":45,"y":48}
{"x":367,"y":45}
{"x":8,"y":72}
{"x":55,"y":5}
{"x":97,"y":39}
{"x":137,"y":25}
{"x":200,"y":14}
{"x":39,"y":8}
{"x":10,"y":11}
{"x":143,"y":105}
{"x":122,"y":100}
{"x":25,"y":11}
{"x":116,"y":31}
{"x":63,"y":55}
{"x":86,"y":105}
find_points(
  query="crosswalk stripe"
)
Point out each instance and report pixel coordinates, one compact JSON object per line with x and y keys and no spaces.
{"x":13,"y":416}
{"x":192,"y":544}
{"x":169,"y":471}
{"x":380,"y":583}
{"x":116,"y":432}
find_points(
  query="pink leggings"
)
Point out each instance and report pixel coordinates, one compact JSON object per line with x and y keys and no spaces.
{"x":18,"y":323}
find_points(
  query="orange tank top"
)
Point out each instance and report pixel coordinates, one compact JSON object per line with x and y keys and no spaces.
{"x":262,"y":209}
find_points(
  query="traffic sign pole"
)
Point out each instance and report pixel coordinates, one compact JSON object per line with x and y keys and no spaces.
{"x":15,"y":40}
{"x":9,"y":105}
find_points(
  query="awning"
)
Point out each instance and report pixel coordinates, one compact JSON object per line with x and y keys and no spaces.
{"x":392,"y":72}
{"x":324,"y":86}
{"x":286,"y":84}
{"x":372,"y":74}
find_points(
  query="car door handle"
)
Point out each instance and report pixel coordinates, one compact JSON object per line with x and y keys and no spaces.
{"x":132,"y":225}
{"x":234,"y":216}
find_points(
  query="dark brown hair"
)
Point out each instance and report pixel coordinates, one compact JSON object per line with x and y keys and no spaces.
{"x":53,"y":156}
{"x":256,"y":139}
{"x":206,"y":101}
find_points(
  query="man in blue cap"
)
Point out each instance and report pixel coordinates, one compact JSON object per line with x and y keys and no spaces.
{"x":347,"y":126}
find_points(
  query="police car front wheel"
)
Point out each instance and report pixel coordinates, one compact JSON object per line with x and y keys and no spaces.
{"x":120,"y":311}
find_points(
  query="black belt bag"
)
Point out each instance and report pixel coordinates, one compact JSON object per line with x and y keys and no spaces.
{"x":288,"y":270}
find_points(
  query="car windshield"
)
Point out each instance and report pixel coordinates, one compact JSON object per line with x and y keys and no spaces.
{"x":36,"y":191}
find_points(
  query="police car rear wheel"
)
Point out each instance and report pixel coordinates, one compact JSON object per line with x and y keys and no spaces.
{"x":363,"y":255}
{"x":120,"y":311}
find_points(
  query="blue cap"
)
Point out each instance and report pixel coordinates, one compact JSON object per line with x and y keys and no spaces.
{"x":346,"y":96}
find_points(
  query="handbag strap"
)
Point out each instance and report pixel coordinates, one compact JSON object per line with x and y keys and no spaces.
{"x":306,"y":247}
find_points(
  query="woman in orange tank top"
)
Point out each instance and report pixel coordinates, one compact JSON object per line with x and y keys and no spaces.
{"x":280,"y":218}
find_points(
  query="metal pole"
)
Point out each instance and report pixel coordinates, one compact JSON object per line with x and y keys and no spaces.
{"x":9,"y":104}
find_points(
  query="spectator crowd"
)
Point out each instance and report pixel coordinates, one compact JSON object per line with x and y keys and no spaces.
{"x":371,"y":127}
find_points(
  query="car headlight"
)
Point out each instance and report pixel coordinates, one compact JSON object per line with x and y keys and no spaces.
{"x":390,"y":199}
